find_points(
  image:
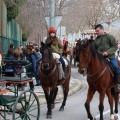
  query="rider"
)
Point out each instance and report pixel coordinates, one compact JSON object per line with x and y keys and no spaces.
{"x":106,"y":45}
{"x":56,"y":46}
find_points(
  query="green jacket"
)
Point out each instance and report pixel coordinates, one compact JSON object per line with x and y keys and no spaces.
{"x":56,"y":45}
{"x":106,"y":43}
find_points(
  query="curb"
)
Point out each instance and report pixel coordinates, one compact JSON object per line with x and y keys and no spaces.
{"x":72,"y":90}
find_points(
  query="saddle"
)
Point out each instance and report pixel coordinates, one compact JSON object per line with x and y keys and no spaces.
{"x":57,"y":56}
{"x":110,"y":67}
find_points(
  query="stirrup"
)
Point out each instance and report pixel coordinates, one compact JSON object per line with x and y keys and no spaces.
{"x":63,"y":78}
{"x":117,"y":88}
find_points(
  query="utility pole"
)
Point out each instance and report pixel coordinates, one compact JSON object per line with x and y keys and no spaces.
{"x":119,"y":7}
{"x":52,"y":13}
{"x":109,"y":25}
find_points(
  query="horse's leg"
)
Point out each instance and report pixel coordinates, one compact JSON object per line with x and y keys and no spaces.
{"x":101,"y":106}
{"x":110,"y":99}
{"x":87,"y":103}
{"x":74,"y":61}
{"x":116,"y":98}
{"x":54,"y":97}
{"x":46,"y":97}
{"x":49,"y":101}
{"x":65,"y":92}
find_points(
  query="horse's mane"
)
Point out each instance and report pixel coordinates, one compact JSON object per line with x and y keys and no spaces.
{"x":45,"y":47}
{"x":94,"y":53}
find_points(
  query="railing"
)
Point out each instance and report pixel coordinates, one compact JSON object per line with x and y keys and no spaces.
{"x":5,"y":43}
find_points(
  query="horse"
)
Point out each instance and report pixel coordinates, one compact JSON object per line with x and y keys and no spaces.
{"x":75,"y":53}
{"x":49,"y":78}
{"x":66,"y":50}
{"x":99,"y":79}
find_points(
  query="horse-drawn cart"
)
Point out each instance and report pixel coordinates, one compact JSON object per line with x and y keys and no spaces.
{"x":21,"y":106}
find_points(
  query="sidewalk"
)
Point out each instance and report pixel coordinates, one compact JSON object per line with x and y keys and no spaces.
{"x":75,"y":85}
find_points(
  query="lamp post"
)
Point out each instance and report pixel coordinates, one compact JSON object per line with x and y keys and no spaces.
{"x":119,"y":7}
{"x":52,"y":12}
{"x":109,"y":25}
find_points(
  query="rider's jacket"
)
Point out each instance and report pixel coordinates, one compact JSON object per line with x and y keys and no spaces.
{"x":106,"y":43}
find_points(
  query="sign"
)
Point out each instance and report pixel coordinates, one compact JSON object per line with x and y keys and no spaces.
{"x":57,"y":20}
{"x":61,"y":32}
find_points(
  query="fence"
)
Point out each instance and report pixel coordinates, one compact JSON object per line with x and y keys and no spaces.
{"x":5,"y":43}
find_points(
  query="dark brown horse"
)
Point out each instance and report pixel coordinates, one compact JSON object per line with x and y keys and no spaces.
{"x":99,"y":79}
{"x":66,"y":50}
{"x":49,"y":77}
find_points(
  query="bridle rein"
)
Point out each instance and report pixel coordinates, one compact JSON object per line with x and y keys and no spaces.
{"x":89,"y":59}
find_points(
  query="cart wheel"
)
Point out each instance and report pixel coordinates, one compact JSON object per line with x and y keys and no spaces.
{"x":27,"y":106}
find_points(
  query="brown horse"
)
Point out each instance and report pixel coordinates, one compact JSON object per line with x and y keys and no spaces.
{"x":99,"y":79}
{"x":66,"y":50}
{"x":49,"y":77}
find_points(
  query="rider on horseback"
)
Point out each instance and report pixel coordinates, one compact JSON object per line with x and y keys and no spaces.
{"x":106,"y":45}
{"x":56,"y":47}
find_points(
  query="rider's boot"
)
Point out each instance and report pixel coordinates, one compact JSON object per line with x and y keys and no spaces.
{"x":117,"y":79}
{"x":61,"y":72}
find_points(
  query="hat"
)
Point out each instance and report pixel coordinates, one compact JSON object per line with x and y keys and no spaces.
{"x":52,"y":30}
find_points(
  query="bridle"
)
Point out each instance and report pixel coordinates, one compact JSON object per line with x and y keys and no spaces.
{"x":89,"y":58}
{"x":50,"y":74}
{"x":49,"y":67}
{"x":90,"y":75}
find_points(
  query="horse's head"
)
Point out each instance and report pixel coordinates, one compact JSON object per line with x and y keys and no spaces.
{"x":46,"y":52}
{"x":84,"y":54}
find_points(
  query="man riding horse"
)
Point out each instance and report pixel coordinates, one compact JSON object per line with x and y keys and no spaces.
{"x":56,"y":47}
{"x":106,"y":45}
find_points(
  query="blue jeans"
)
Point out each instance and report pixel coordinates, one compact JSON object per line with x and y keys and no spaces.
{"x":63,"y":63}
{"x":114,"y":63}
{"x":36,"y":77}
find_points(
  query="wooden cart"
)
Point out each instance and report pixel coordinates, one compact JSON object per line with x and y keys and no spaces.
{"x":21,"y":106}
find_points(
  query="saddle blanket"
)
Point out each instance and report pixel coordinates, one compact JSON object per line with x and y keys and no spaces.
{"x":57,"y":56}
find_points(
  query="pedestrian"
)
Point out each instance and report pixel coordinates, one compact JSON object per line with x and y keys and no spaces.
{"x":33,"y":68}
{"x":10,"y":70}
{"x":38,"y":53}
{"x":18,"y":53}
{"x":91,"y":40}
{"x":56,"y":46}
{"x":106,"y":45}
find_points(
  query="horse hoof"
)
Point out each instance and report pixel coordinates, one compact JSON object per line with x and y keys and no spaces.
{"x":61,"y":109}
{"x":112,"y":117}
{"x":117,"y":116}
{"x":52,"y":106}
{"x":94,"y":118}
{"x":49,"y":117}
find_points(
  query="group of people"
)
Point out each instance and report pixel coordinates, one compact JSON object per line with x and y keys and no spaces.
{"x":30,"y":53}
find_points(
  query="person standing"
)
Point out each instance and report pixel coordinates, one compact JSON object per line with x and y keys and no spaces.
{"x":31,"y":69}
{"x":106,"y":45}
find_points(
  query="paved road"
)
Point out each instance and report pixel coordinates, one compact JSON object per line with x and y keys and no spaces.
{"x":74,"y":109}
